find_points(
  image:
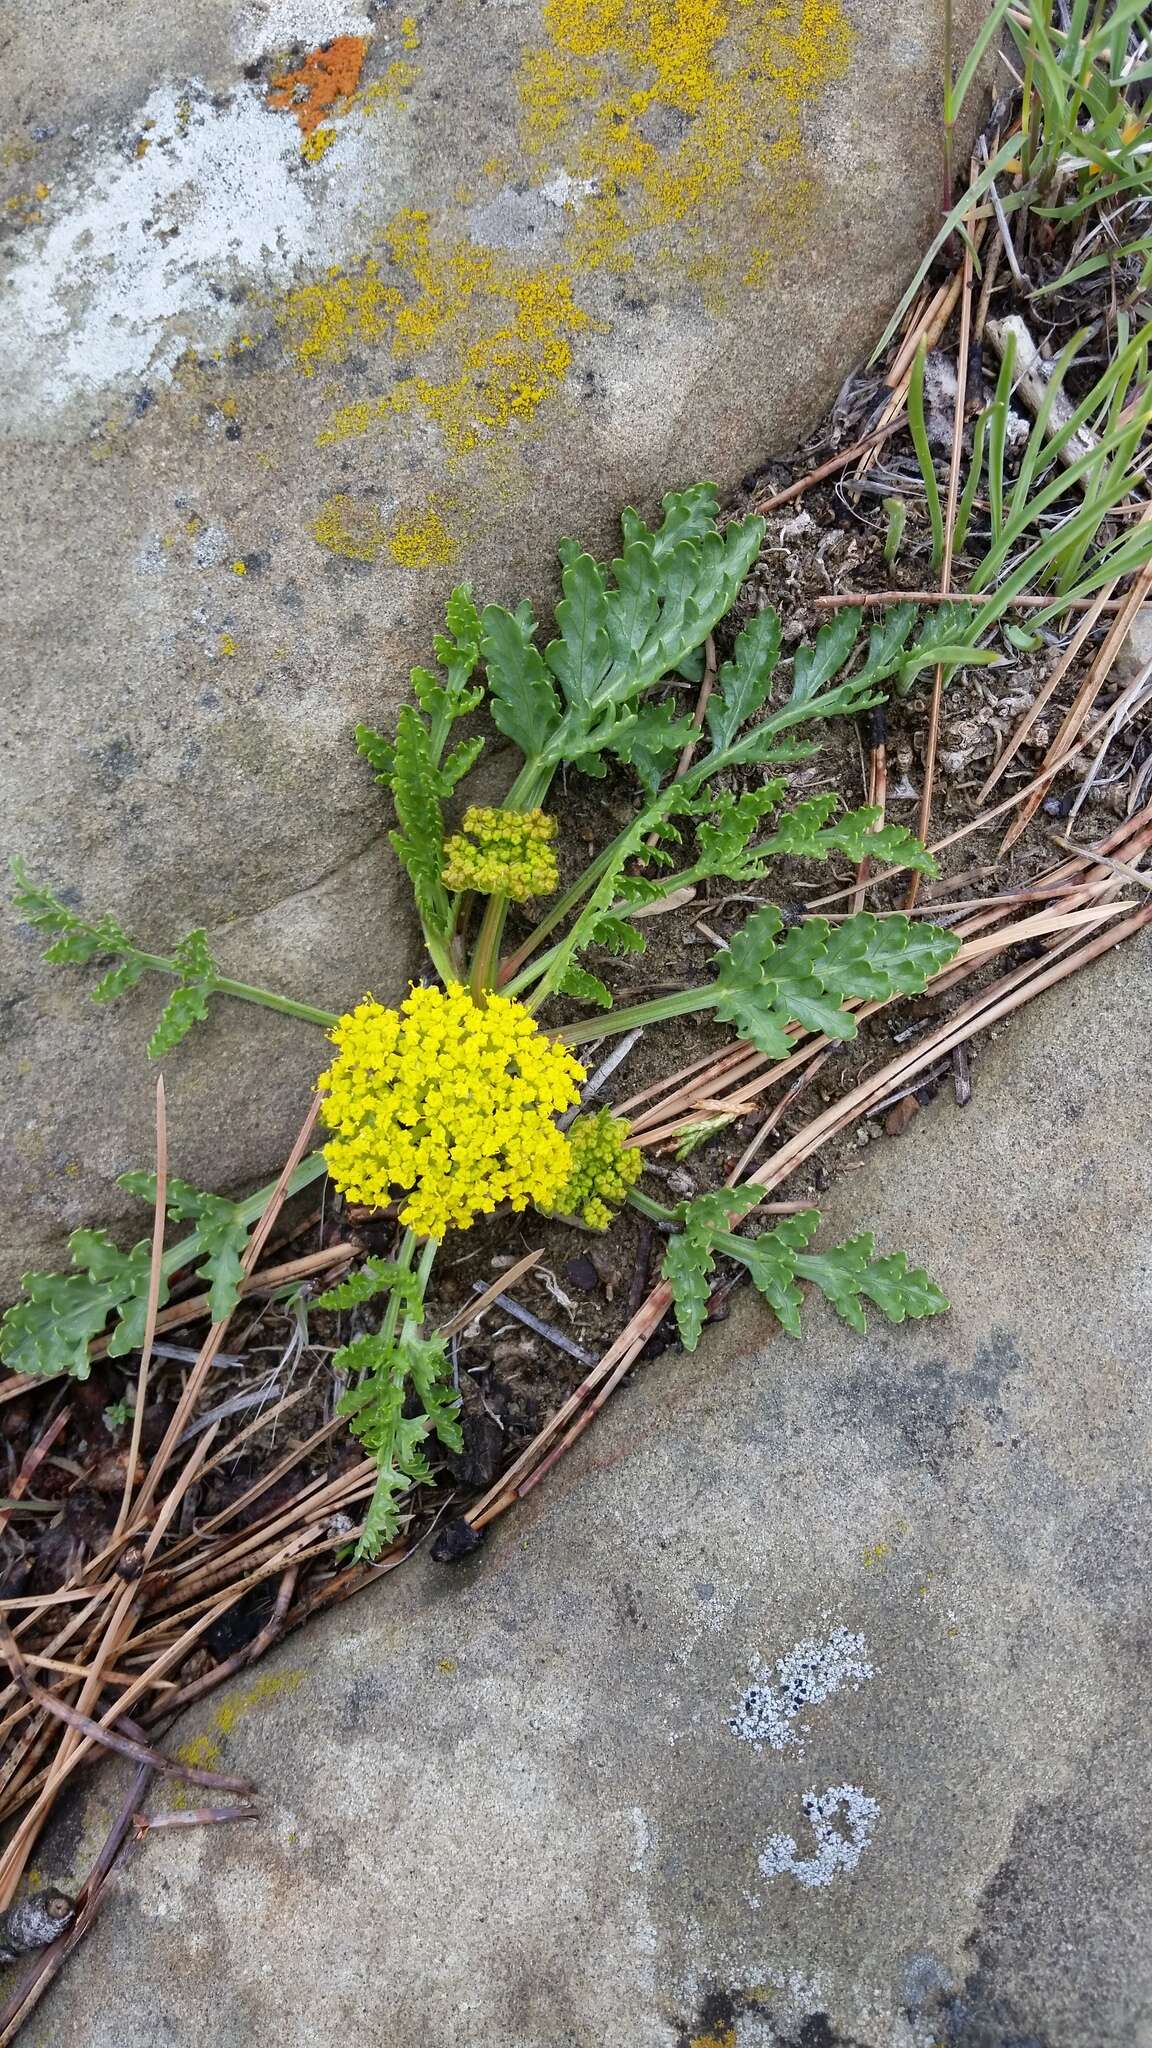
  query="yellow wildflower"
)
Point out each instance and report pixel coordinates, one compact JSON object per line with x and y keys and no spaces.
{"x":450,"y":1101}
{"x":604,"y":1167}
{"x":503,"y":853}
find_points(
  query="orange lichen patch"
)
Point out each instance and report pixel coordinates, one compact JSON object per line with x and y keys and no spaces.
{"x":326,"y":78}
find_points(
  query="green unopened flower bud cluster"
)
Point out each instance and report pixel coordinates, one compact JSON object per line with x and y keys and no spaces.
{"x":503,"y":853}
{"x":604,"y":1168}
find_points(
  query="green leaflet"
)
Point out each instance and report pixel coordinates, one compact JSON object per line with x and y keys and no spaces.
{"x":418,"y":785}
{"x":521,"y":697}
{"x":52,"y":1327}
{"x":764,"y":983}
{"x":847,"y":1274}
{"x":623,"y":628}
{"x":80,"y":940}
{"x":384,"y":1374}
{"x":379,"y":753}
{"x":724,"y":842}
{"x":587,"y":988}
{"x":814,"y":666}
{"x":375,"y":1276}
{"x":944,"y":636}
{"x":743,"y":681}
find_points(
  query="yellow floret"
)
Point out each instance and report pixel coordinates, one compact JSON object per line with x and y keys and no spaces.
{"x":450,"y":1101}
{"x":604,"y":1167}
{"x":503,"y":853}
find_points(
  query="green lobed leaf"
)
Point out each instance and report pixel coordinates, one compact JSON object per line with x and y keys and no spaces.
{"x":383,"y":1373}
{"x":522,"y":697}
{"x":185,"y":1007}
{"x":585,"y":987}
{"x":744,"y":679}
{"x":375,"y":1276}
{"x":51,"y":1329}
{"x":119,"y":980}
{"x":416,"y":792}
{"x":886,"y":642}
{"x":687,"y":1268}
{"x":764,"y":983}
{"x":617,"y":935}
{"x":814,"y":666}
{"x":379,"y":753}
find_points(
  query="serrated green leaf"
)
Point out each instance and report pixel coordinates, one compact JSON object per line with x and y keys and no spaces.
{"x":744,"y":680}
{"x":119,"y":980}
{"x":185,"y":1007}
{"x":382,"y":1373}
{"x":379,"y":753}
{"x":416,"y":792}
{"x":463,"y":620}
{"x":617,"y":935}
{"x":886,"y":643}
{"x":687,"y":1267}
{"x":581,"y":657}
{"x":945,"y":636}
{"x":718,"y":1208}
{"x":688,"y":515}
{"x":522,"y":697}
{"x":653,"y":741}
{"x":763,"y":983}
{"x":52,"y":1328}
{"x":193,"y":958}
{"x":814,"y":666}
{"x":585,"y":987}
{"x":460,"y":762}
{"x":375,"y":1276}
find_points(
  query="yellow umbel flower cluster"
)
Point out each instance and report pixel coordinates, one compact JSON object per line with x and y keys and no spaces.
{"x":604,"y":1167}
{"x":450,"y":1101}
{"x":503,"y":853}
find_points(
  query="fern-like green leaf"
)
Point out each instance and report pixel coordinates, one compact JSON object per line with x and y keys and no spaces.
{"x":886,"y":642}
{"x":849,"y":1271}
{"x":375,"y":1276}
{"x":745,"y":678}
{"x":419,"y":840}
{"x":585,"y":987}
{"x":764,"y":982}
{"x":617,"y":935}
{"x":52,"y":1328}
{"x":185,"y":1007}
{"x":522,"y":697}
{"x":379,"y":753}
{"x":120,"y":979}
{"x":687,"y":1267}
{"x":814,"y":666}
{"x":384,"y":1375}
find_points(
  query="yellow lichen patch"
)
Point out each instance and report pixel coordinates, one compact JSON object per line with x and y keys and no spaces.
{"x":421,"y":540}
{"x":351,"y":527}
{"x":317,"y":144}
{"x":726,"y":2038}
{"x":684,"y":116}
{"x":409,"y":33}
{"x":201,"y":1753}
{"x":390,"y":89}
{"x":489,"y":338}
{"x":269,"y":1688}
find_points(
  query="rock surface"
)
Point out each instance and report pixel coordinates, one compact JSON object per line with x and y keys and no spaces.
{"x":503,"y":1802}
{"x":291,"y":337}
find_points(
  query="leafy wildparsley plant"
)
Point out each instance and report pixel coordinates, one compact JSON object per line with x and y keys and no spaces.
{"x":449,"y":1106}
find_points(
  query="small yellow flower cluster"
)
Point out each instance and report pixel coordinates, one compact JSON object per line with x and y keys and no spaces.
{"x":503,"y":853}
{"x":450,"y":1101}
{"x":604,"y":1167}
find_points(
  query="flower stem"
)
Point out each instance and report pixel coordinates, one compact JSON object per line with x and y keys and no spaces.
{"x":219,"y":984}
{"x":679,"y":1005}
{"x":392,"y":1311}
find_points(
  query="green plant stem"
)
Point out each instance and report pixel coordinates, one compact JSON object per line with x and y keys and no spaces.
{"x":413,"y":1319}
{"x":182,"y":1254}
{"x":645,"y":1206}
{"x":392,"y":1311}
{"x":221,"y":985}
{"x":680,"y":1005}
{"x":484,"y":959}
{"x":510,"y":968}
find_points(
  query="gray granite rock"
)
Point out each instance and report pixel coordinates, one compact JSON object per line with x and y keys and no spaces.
{"x":505,"y":1802}
{"x":242,"y":467}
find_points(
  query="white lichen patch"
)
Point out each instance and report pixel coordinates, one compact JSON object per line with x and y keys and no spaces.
{"x":810,"y":1672}
{"x":269,"y":25}
{"x":835,"y":1851}
{"x":151,"y":252}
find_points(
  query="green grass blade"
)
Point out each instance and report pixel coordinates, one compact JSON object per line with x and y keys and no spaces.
{"x":918,"y":425}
